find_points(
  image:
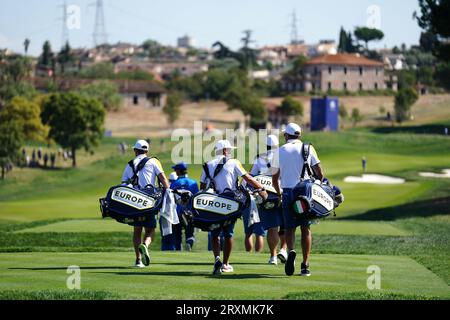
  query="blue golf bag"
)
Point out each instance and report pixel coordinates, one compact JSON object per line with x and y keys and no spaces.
{"x":314,"y":199}
{"x":129,"y":205}
{"x":272,"y":200}
{"x":210,"y":211}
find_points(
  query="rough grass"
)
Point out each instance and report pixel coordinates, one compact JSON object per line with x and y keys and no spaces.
{"x":57,"y":295}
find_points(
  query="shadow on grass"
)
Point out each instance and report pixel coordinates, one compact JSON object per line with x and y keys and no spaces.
{"x":423,"y":129}
{"x":424,"y":208}
{"x":65,"y":268}
{"x":198,"y":274}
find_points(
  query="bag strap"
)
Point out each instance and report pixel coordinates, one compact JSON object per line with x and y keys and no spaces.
{"x":217,"y":170}
{"x":219,"y":167}
{"x":135,"y":178}
{"x":305,"y":155}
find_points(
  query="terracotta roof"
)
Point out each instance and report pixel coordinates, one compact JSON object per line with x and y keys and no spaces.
{"x":343,"y":59}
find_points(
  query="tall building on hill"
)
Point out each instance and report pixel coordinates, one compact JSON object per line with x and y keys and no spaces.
{"x":185,"y":42}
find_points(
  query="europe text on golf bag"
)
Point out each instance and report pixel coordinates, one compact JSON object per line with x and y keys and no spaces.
{"x":210,"y":211}
{"x":272,"y":200}
{"x":313,"y":199}
{"x":129,"y":205}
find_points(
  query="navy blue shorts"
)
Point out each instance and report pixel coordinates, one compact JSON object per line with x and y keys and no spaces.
{"x":256,"y":228}
{"x":288,"y":220}
{"x":272,"y":218}
{"x":147,"y":224}
{"x":228,"y":231}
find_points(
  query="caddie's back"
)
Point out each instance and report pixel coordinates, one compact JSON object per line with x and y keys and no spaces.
{"x":288,"y":158}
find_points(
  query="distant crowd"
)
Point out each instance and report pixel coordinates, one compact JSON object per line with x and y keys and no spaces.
{"x":40,"y":159}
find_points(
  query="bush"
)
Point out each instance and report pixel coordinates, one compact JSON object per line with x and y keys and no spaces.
{"x":404,"y":99}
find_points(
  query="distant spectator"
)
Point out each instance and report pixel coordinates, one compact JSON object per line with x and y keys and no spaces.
{"x":446,"y":131}
{"x":27,"y":160}
{"x":388,"y":116}
{"x":64,"y":155}
{"x":39,"y":154}
{"x":364,"y":164}
{"x":45,"y":160}
{"x":53,"y":160}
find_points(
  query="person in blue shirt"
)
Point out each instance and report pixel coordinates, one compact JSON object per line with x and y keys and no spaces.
{"x":173,"y":241}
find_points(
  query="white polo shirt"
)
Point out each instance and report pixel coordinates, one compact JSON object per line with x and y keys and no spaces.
{"x":227,"y":177}
{"x":147,"y":175}
{"x":260,"y":165}
{"x":288,"y":158}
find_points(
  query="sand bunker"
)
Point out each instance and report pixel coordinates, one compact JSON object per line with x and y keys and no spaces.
{"x":445,"y":174}
{"x":374,"y":178}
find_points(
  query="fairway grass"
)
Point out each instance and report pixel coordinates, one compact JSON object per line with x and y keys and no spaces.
{"x":187,"y":276}
{"x":324,"y":227}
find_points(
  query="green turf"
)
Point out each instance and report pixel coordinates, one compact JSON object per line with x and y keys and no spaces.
{"x":187,"y":275}
{"x":89,"y":225}
{"x":357,"y":228}
{"x":46,"y":220}
{"x":324,"y":227}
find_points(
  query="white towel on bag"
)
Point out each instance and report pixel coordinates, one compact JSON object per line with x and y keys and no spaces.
{"x":168,"y":213}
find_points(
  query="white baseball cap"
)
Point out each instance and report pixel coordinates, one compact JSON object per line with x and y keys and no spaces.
{"x":272,"y":141}
{"x":173,"y":176}
{"x":223,"y":144}
{"x":293,"y":129}
{"x":141,"y":145}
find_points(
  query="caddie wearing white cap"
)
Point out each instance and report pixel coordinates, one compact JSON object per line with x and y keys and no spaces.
{"x":141,"y":172}
{"x":288,"y":164}
{"x":226,"y":178}
{"x":271,"y":219}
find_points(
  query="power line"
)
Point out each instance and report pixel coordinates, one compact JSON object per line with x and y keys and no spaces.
{"x":99,"y":36}
{"x":65,"y":31}
{"x":294,"y":29}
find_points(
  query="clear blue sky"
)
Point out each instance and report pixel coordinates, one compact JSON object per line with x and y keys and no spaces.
{"x":205,"y":20}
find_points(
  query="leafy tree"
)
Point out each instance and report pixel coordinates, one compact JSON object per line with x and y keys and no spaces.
{"x":351,"y":48}
{"x":404,"y":99}
{"x":172,"y":107}
{"x":366,"y":35}
{"x":13,"y":72}
{"x":25,"y":113}
{"x":103,"y":70}
{"x":193,"y":86}
{"x":434,"y":17}
{"x":218,"y":81}
{"x":346,"y":42}
{"x":442,"y":75}
{"x":75,"y":121}
{"x":343,"y":39}
{"x":104,"y":91}
{"x":242,"y":98}
{"x":343,"y":113}
{"x":26,"y":45}
{"x":356,"y":116}
{"x":11,"y":141}
{"x":46,"y":58}
{"x":297,"y":65}
{"x":65,"y":56}
{"x":291,"y":107}
{"x":428,"y":41}
{"x":406,"y":79}
{"x":425,"y":75}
